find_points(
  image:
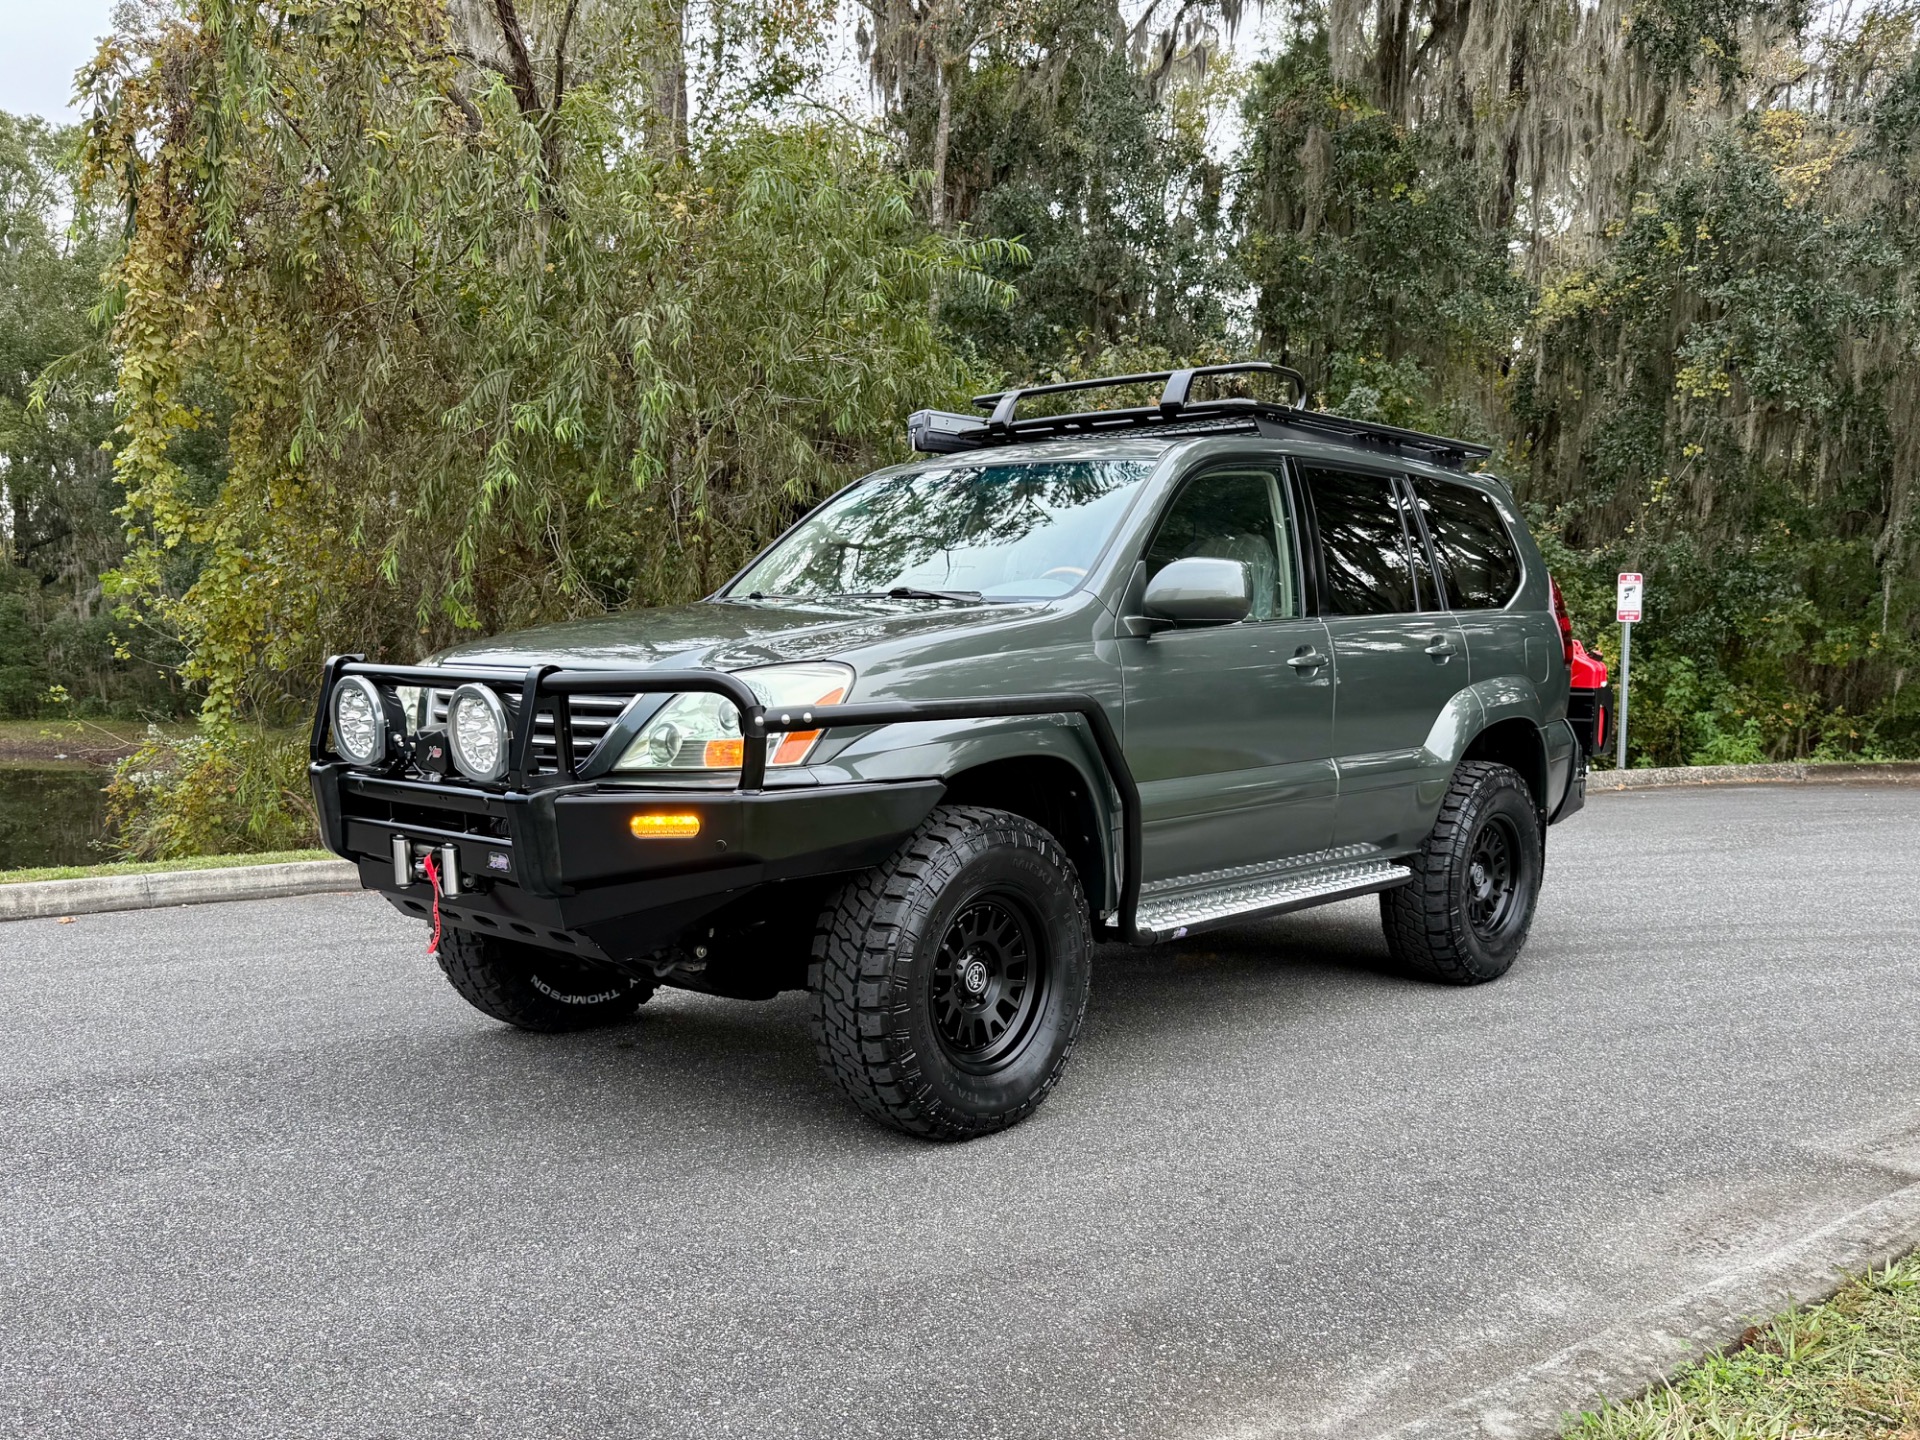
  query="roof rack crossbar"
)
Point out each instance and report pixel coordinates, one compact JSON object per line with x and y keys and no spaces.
{"x":1174,"y":398}
{"x":1177,"y":387}
{"x":941,"y":432}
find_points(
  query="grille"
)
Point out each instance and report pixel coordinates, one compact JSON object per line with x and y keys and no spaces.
{"x":592,"y":717}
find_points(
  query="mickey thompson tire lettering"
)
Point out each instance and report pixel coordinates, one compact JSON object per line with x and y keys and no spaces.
{"x":1434,"y":923}
{"x":883,"y":1025}
{"x":536,"y":989}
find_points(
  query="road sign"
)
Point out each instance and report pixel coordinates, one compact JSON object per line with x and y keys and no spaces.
{"x":1628,"y":600}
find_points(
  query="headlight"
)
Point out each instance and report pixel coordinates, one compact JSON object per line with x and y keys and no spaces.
{"x":359,"y":721}
{"x":477,"y":732}
{"x":702,"y":732}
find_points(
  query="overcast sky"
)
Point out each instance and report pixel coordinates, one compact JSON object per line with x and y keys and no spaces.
{"x":46,"y":41}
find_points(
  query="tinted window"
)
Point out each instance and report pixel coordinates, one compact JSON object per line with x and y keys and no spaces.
{"x":1229,"y":515}
{"x":1476,"y":557}
{"x":1363,"y":538}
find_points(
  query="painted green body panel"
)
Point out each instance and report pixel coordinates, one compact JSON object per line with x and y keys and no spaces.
{"x":1239,"y":757}
{"x":1232,"y":748}
{"x":1389,"y":690}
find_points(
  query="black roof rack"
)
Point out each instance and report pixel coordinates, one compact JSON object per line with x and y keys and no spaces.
{"x":942,"y":432}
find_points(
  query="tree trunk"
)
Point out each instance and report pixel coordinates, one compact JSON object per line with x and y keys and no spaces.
{"x":942,"y":136}
{"x":667,"y":82}
{"x":1510,"y":160}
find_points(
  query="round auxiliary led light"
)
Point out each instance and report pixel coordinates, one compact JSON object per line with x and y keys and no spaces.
{"x":359,"y":721}
{"x":477,"y":732}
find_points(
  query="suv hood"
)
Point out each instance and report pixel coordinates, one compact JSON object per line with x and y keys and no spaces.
{"x":733,"y":635}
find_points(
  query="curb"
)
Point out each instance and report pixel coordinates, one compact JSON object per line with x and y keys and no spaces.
{"x":43,"y":899}
{"x":1890,"y":772}
{"x":1541,"y":1401}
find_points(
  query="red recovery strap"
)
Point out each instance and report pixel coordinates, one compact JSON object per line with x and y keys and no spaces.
{"x":433,"y":878}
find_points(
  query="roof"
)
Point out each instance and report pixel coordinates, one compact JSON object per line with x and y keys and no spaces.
{"x":1176,"y":414}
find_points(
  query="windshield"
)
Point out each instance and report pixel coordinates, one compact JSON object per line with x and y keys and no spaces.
{"x":1016,"y":531}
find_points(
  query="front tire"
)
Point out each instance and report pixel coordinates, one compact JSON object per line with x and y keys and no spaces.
{"x":950,"y":983}
{"x":535,"y":989}
{"x":1464,"y":917}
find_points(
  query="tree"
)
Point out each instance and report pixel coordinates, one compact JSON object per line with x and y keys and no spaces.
{"x":58,"y":532}
{"x":485,"y":358}
{"x":1081,"y":132}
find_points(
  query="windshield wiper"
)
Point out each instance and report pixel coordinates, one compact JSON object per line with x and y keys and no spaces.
{"x":914,"y":592}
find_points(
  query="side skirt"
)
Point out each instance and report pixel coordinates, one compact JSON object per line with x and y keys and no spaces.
{"x":1170,"y":909}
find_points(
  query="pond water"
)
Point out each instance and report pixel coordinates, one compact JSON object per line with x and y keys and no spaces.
{"x":51,"y":815}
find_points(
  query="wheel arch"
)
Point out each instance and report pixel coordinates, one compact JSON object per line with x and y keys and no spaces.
{"x":1497,"y":720}
{"x":1515,"y":742}
{"x":1044,"y":771}
{"x":1055,"y":795}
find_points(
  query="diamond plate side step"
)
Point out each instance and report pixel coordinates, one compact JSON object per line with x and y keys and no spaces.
{"x":1170,"y":916}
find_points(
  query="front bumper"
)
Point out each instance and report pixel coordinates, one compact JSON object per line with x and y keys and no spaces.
{"x":560,"y":866}
{"x":548,"y":854}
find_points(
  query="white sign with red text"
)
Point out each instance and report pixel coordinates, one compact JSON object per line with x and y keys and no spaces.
{"x":1629,"y":600}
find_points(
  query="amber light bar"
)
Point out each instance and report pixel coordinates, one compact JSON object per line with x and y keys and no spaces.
{"x":664,"y":825}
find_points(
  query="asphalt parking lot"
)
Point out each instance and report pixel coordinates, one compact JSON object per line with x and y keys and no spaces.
{"x":263,"y":1174}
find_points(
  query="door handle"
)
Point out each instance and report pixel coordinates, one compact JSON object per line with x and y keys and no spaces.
{"x":1308,"y":659}
{"x":1441,"y":648}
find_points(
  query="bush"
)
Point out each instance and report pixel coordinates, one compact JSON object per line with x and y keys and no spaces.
{"x":227,"y":790}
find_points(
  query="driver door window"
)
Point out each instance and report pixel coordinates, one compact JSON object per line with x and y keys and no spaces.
{"x":1232,"y":515}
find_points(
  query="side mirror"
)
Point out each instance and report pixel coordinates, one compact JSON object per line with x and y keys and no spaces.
{"x":1200,"y":590}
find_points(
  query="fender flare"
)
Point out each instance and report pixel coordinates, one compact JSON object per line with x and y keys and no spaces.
{"x":1468,"y":715}
{"x":943,"y":749}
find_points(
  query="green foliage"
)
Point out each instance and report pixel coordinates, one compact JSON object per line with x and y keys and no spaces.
{"x":58,"y":534}
{"x":1375,"y":276}
{"x":1725,"y":403}
{"x":482,"y":359}
{"x":228,"y":790}
{"x":432,"y":318}
{"x":1060,"y":136}
{"x":1848,"y":1369}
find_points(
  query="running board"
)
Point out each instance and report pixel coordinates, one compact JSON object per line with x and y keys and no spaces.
{"x":1255,"y":892}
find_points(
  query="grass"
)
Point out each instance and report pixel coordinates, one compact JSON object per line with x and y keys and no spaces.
{"x":82,"y":742}
{"x":1845,"y":1370}
{"x":132,"y":731}
{"x":149,"y":867}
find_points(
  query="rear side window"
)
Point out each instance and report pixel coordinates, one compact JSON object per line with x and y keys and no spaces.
{"x":1477,"y":560}
{"x":1363,"y":539}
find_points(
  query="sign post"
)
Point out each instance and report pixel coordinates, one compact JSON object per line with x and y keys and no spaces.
{"x":1626,"y":611}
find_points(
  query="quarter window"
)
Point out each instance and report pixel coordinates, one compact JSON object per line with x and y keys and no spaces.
{"x":1476,"y":557}
{"x":1230,"y":515}
{"x":1363,"y":538}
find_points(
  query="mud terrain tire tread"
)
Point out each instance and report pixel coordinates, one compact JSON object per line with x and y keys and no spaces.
{"x":1425,"y":920}
{"x":859,"y":974}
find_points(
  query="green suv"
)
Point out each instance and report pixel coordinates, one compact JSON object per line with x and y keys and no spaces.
{"x":1119,"y":675}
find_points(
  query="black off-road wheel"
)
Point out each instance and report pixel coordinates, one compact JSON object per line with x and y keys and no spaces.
{"x":950,"y":983}
{"x":1464,"y":917}
{"x":537,"y":989}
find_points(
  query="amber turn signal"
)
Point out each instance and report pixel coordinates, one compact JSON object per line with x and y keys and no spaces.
{"x":664,"y":825}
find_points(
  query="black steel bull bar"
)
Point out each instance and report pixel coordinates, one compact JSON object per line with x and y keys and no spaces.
{"x":545,"y":687}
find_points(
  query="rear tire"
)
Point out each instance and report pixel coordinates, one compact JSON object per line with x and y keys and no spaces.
{"x":950,"y":983}
{"x":537,"y":989}
{"x":1464,"y":916}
